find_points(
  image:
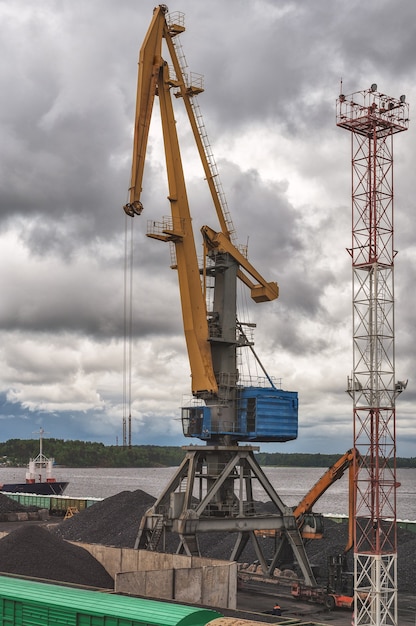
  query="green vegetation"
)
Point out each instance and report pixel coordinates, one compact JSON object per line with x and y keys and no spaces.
{"x":16,"y":452}
{"x":296,"y":459}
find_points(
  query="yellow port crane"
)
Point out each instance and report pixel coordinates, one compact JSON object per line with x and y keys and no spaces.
{"x":212,"y":490}
{"x":228,"y":412}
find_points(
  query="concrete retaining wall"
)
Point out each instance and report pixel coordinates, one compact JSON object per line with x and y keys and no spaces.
{"x":24,"y":516}
{"x":177,"y":577}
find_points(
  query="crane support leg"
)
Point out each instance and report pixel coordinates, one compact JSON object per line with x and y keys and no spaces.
{"x":212,"y":491}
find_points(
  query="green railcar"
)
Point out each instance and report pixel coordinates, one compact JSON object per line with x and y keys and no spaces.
{"x":30,"y":499}
{"x":24,"y":602}
{"x":56,"y":505}
{"x":60,"y":504}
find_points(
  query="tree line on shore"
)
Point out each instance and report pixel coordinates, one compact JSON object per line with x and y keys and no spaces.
{"x":75,"y":453}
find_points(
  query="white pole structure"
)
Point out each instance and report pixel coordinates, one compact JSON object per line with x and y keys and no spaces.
{"x":373,"y":118}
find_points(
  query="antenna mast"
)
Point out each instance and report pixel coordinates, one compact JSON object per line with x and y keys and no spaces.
{"x":373,"y":118}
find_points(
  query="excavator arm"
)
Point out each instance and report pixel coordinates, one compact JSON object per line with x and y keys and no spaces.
{"x":346,"y":462}
{"x":334,"y":473}
{"x":303,"y":514}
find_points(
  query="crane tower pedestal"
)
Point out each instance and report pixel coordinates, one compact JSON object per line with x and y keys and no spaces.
{"x":214,"y":490}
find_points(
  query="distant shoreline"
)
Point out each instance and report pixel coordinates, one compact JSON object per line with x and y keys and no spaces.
{"x":86,"y":454}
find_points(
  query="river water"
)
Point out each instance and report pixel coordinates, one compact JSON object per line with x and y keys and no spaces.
{"x":291,"y":484}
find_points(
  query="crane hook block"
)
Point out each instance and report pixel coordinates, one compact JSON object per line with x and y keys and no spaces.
{"x":133,"y":208}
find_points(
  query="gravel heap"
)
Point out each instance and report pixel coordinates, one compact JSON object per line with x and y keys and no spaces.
{"x":115,"y":522}
{"x":31,"y":550}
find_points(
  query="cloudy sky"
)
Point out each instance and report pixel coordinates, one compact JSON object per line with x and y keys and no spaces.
{"x":272,"y":71}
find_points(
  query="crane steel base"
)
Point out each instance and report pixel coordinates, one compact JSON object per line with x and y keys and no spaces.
{"x":212,"y":491}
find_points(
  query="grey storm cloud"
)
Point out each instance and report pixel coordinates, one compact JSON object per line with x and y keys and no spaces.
{"x":272,"y":72}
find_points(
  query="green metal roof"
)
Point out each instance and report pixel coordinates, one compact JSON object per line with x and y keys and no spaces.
{"x":100,"y":603}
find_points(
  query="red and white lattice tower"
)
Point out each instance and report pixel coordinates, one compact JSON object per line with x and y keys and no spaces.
{"x":373,"y":118}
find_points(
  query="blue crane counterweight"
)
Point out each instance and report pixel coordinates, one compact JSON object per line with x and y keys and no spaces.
{"x":264,"y":414}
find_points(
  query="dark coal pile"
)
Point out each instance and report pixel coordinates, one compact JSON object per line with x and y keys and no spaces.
{"x":334,"y":542}
{"x":111,"y":522}
{"x":115,"y":522}
{"x":33,"y":551}
{"x":8,"y":505}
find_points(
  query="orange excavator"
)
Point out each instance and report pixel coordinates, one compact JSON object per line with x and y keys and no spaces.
{"x":339,"y":588}
{"x":310,"y":523}
{"x":303,"y":511}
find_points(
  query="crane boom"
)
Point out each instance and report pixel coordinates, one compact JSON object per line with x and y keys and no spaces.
{"x":154,"y":78}
{"x":192,"y":297}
